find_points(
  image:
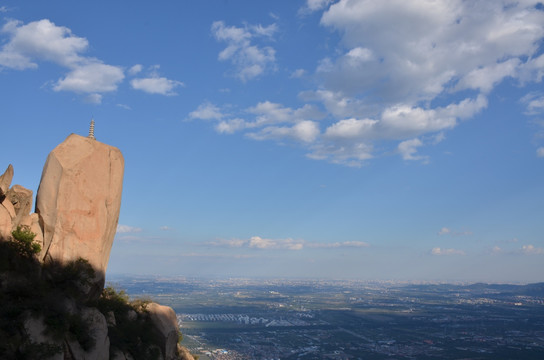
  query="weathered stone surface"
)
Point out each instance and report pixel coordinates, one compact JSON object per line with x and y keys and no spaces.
{"x":5,"y":181}
{"x":165,"y":321}
{"x":78,"y":201}
{"x":98,"y":329}
{"x":9,"y":207}
{"x":21,"y":198}
{"x":36,"y":229}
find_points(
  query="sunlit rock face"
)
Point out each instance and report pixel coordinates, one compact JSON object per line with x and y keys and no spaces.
{"x":78,"y":202}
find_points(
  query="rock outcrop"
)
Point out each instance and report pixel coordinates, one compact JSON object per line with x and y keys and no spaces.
{"x":5,"y":181}
{"x":78,"y":202}
{"x":165,"y":321}
{"x":15,"y":206}
{"x":51,"y":307}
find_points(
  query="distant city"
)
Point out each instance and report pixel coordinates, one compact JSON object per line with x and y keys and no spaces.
{"x":311,"y":319}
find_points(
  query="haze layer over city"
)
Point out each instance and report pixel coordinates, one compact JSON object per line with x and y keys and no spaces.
{"x":318,"y":139}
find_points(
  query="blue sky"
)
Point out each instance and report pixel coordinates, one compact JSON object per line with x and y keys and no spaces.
{"x":333,"y":139}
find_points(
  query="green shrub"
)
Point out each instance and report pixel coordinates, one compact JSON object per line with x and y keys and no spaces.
{"x":24,"y":240}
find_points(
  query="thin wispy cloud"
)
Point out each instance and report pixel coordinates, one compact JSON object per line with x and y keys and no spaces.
{"x":125,"y":229}
{"x":249,"y":60}
{"x":445,"y":252}
{"x":532,"y":250}
{"x":257,"y":242}
{"x":448,"y":231}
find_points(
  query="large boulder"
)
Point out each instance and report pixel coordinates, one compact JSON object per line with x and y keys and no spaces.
{"x":78,"y":202}
{"x":166,"y":323}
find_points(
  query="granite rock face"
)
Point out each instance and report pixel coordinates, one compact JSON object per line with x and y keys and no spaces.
{"x":78,"y":202}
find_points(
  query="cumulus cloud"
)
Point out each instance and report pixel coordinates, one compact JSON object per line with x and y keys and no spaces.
{"x":125,"y":229}
{"x":540,"y":151}
{"x":206,"y":111}
{"x":441,"y":251}
{"x":154,"y":83}
{"x":257,"y":242}
{"x":91,"y":78}
{"x":44,"y":41}
{"x":249,"y":60}
{"x":393,"y":72}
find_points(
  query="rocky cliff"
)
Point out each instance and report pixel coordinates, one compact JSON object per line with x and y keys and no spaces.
{"x":53,"y":304}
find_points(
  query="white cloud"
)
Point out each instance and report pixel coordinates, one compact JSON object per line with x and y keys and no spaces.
{"x":91,"y":78}
{"x":166,"y":228}
{"x":44,"y":41}
{"x":440,"y":251}
{"x":305,"y":131}
{"x":249,"y":59}
{"x":40,"y":40}
{"x":388,"y":83}
{"x":532,"y":250}
{"x":124,"y":229}
{"x":3,"y":9}
{"x":206,"y":111}
{"x":268,"y":121}
{"x":423,"y":47}
{"x":156,"y":85}
{"x":289,"y":244}
{"x":444,"y":231}
{"x":230,"y":126}
{"x":314,"y":5}
{"x":352,"y":153}
{"x":408,"y":149}
{"x":540,"y":151}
